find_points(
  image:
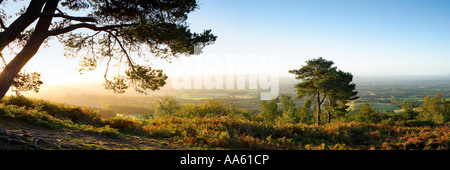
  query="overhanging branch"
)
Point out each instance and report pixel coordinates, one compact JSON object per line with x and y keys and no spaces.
{"x":84,"y":25}
{"x":2,"y":25}
{"x":130,"y":61}
{"x":81,"y":19}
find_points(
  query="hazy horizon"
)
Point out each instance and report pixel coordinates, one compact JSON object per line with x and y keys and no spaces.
{"x":96,"y":87}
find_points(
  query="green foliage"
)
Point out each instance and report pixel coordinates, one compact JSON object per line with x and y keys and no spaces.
{"x":270,"y":111}
{"x":341,"y":111}
{"x":146,"y":78}
{"x":284,"y":110}
{"x":321,"y":82}
{"x":408,"y":112}
{"x":368,"y":114}
{"x":19,"y":101}
{"x":213,"y":108}
{"x":210,"y":107}
{"x":418,"y":123}
{"x":54,"y":116}
{"x":166,"y":105}
{"x":74,"y":113}
{"x":237,"y":134}
{"x":111,"y":110}
{"x":286,"y":103}
{"x":118,"y":85}
{"x":124,"y":123}
{"x":315,"y":75}
{"x":305,"y":112}
{"x":380,"y":106}
{"x":290,"y":113}
{"x":131,"y":29}
{"x":434,"y":109}
{"x":193,"y":126}
{"x":289,"y":116}
{"x":26,"y":82}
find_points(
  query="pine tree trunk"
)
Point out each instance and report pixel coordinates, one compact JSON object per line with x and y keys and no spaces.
{"x":329,"y":110}
{"x":329,"y":116}
{"x":14,"y":67}
{"x":6,"y":78}
{"x":318,"y":108}
{"x":21,"y":23}
{"x":29,"y":50}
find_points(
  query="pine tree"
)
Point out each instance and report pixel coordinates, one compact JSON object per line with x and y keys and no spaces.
{"x":321,"y":82}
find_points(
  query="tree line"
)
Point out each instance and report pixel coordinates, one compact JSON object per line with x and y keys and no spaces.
{"x":434,"y":110}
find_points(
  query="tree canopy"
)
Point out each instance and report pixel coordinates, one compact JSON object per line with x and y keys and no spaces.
{"x":321,"y":82}
{"x":119,"y":33}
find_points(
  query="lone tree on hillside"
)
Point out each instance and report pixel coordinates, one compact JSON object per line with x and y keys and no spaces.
{"x":321,"y":82}
{"x":111,"y":31}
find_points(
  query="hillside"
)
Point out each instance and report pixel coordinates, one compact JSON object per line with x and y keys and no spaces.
{"x":46,"y":128}
{"x":23,"y":136}
{"x":38,"y":124}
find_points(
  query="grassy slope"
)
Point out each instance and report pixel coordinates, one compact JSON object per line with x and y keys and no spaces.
{"x":38,"y":124}
{"x":56,"y":126}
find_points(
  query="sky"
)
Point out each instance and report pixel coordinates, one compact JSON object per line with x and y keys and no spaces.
{"x":364,"y":37}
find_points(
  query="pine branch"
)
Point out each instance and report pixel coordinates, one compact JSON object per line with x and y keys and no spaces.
{"x":84,"y":25}
{"x":81,"y":19}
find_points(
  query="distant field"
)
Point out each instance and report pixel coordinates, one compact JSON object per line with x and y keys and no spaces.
{"x":378,"y":106}
{"x":201,"y":96}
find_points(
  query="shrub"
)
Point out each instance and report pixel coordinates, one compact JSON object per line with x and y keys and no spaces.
{"x":18,"y":101}
{"x":74,"y":113}
{"x":213,"y":108}
{"x":54,"y":116}
{"x":270,"y":111}
{"x":84,"y":115}
{"x":368,"y":114}
{"x":121,"y":122}
{"x":418,"y":123}
{"x":105,"y":130}
{"x":166,"y":105}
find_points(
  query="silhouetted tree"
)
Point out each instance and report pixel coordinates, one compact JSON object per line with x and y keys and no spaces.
{"x":26,"y":82}
{"x":114,"y":32}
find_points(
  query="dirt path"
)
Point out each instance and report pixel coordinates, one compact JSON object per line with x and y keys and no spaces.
{"x":22,"y":136}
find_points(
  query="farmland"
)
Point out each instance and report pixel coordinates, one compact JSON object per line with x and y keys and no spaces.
{"x":378,"y":106}
{"x":388,"y":94}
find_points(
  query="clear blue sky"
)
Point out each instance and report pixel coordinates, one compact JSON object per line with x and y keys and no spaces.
{"x":364,"y":37}
{"x":375,"y":37}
